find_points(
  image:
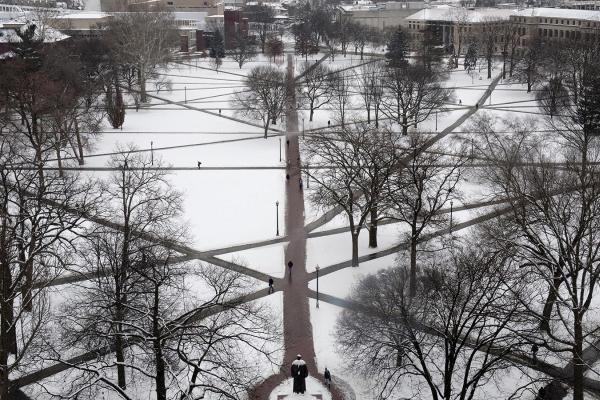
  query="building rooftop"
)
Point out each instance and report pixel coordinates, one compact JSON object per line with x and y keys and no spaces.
{"x":559,"y":13}
{"x":448,"y":13}
{"x":47,"y":34}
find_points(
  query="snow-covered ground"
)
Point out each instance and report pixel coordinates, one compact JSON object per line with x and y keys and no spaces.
{"x":226,"y":207}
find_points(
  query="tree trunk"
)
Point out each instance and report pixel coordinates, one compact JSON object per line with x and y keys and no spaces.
{"x":413,"y":267}
{"x":312,"y":112}
{"x":59,"y":158}
{"x":354,"y":249}
{"x":578,"y":362}
{"x":142,"y":83}
{"x":404,"y":125}
{"x":489,"y":67}
{"x":550,"y":300}
{"x":373,"y":228}
{"x":368,"y":115}
{"x":161,"y":388}
{"x":79,"y":143}
{"x":120,"y":356}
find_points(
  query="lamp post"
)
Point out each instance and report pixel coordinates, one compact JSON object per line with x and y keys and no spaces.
{"x":317,"y":269}
{"x":277,"y":217}
{"x":151,"y":153}
{"x":279,"y":149}
{"x":302,"y":127}
{"x":307,"y":176}
{"x":436,"y":120}
{"x":185,"y":94}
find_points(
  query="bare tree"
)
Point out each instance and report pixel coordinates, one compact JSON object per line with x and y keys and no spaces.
{"x":420,"y":190}
{"x":351,"y":166}
{"x":265,"y":97}
{"x":461,"y":21}
{"x":447,"y":341}
{"x":243,"y":50}
{"x":369,"y":82}
{"x":315,"y":86}
{"x":528,"y":68}
{"x":552,"y":229}
{"x":341,"y":99}
{"x":38,"y":241}
{"x":143,"y":40}
{"x":274,"y":48}
{"x":491,"y":30}
{"x":411,"y":94}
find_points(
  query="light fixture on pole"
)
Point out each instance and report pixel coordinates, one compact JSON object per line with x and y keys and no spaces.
{"x":151,"y":152}
{"x":279,"y":149}
{"x":317,"y":269}
{"x":277,"y":217}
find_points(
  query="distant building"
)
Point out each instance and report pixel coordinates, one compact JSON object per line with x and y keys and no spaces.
{"x":557,"y":23}
{"x":547,"y":23}
{"x":382,"y":16}
{"x":446,"y":22}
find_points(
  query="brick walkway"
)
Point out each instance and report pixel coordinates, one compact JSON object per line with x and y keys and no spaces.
{"x":298,"y":337}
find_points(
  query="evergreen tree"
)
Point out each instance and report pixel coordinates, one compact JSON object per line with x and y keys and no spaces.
{"x":471,"y":58}
{"x":28,"y":47}
{"x":217,"y":49}
{"x":588,"y":105}
{"x":397,"y":48}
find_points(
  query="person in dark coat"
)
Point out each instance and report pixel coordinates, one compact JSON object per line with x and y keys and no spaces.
{"x":327,"y":376}
{"x":299,"y":373}
{"x":271,"y":288}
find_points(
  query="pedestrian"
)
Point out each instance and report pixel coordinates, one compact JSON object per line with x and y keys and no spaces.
{"x":477,"y":106}
{"x":459,"y":102}
{"x":300,"y":181}
{"x":219,"y":111}
{"x":287,"y":177}
{"x":327,"y":376}
{"x":534,"y":351}
{"x":271,"y":288}
{"x":287,"y":142}
{"x":329,"y":123}
{"x":299,"y":373}
{"x":199,"y":164}
{"x":290,"y":264}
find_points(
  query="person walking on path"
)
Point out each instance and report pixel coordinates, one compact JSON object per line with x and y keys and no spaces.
{"x":290,"y":264}
{"x":327,"y":376}
{"x":299,"y":373}
{"x":271,"y":289}
{"x":300,"y":182}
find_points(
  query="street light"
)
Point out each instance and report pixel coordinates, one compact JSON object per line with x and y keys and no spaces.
{"x":307,"y":176}
{"x":151,"y":153}
{"x":277,"y":217}
{"x":302,"y":127}
{"x":436,"y":120}
{"x":279,"y":149}
{"x":317,"y":269}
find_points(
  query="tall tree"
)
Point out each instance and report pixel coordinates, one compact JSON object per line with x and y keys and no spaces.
{"x":266,"y":95}
{"x":315,"y":86}
{"x":448,"y":341}
{"x":418,"y":192}
{"x":144,"y":40}
{"x":397,"y":48}
{"x":411,"y":94}
{"x":358,"y":159}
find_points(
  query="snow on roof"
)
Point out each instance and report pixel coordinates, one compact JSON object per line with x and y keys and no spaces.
{"x":83,"y":15}
{"x":559,"y":13}
{"x":446,"y":13}
{"x":49,"y":35}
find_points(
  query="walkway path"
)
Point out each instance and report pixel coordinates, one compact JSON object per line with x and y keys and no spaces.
{"x":298,"y":337}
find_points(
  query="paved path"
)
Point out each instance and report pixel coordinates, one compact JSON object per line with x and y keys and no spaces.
{"x":298,"y":337}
